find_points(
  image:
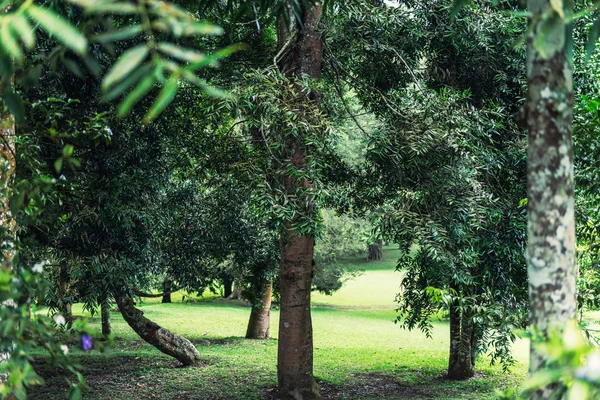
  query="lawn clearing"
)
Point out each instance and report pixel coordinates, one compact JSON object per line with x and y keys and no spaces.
{"x":359,"y":352}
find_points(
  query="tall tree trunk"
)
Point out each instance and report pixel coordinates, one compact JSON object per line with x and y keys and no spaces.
{"x":8,"y":151}
{"x":227,"y":285}
{"x":260,"y":316}
{"x":164,"y":340}
{"x":376,"y":251}
{"x":463,"y":346}
{"x":105,"y":316}
{"x":64,"y":305}
{"x":302,"y":55}
{"x":551,"y":224}
{"x":167,"y":287}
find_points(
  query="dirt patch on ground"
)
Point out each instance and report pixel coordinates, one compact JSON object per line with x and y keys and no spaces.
{"x":364,"y":386}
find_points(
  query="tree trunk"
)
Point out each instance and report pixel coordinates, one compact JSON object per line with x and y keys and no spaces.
{"x":64,"y":306}
{"x":551,"y":217}
{"x":260,"y":317}
{"x":227,"y":286}
{"x":164,"y":340}
{"x":7,"y":223}
{"x":236,"y":294}
{"x":167,"y":287}
{"x":302,"y":55}
{"x":376,"y":251}
{"x":105,"y":316}
{"x":463,"y":346}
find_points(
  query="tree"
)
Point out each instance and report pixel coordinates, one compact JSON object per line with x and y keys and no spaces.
{"x":19,"y":34}
{"x":551,"y":214}
{"x":301,"y":52}
{"x":446,"y":166}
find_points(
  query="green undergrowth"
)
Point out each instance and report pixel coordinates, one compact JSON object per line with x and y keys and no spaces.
{"x":359,"y":352}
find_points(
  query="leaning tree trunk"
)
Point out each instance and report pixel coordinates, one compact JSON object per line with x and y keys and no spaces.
{"x":105,"y":316}
{"x":164,"y":340}
{"x":461,"y":363}
{"x":302,"y":55}
{"x":7,"y":223}
{"x":551,"y":218}
{"x":376,"y":251}
{"x":260,"y":316}
{"x":236,"y":294}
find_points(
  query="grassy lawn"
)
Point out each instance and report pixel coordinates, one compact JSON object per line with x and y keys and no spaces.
{"x":359,"y":352}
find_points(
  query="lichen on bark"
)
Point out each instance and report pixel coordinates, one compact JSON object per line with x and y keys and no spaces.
{"x":551,"y":217}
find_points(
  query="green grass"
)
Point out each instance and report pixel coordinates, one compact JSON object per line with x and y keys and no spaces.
{"x":359,"y":352}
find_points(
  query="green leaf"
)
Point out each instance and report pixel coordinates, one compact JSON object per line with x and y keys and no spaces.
{"x":14,"y":103}
{"x":187,"y":55}
{"x":60,"y":28}
{"x":24,"y":29}
{"x":58,"y":165}
{"x":121,"y":34}
{"x":16,"y":201}
{"x":125,"y":64}
{"x":124,"y":8}
{"x":213,"y":58}
{"x":590,"y":44}
{"x":72,"y":67}
{"x":557,"y":5}
{"x":126,"y":83}
{"x":135,"y":95}
{"x":165,"y":97}
{"x":92,"y":65}
{"x":9,"y":42}
{"x":67,"y":151}
{"x":199,"y":28}
{"x":550,"y":37}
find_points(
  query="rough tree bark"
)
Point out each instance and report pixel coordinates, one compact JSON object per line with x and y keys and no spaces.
{"x":463,"y":345}
{"x":376,"y":251}
{"x":301,"y":52}
{"x":227,"y":285}
{"x":551,"y":226}
{"x":105,"y":317}
{"x":260,"y":316}
{"x":164,"y":340}
{"x":167,"y":287}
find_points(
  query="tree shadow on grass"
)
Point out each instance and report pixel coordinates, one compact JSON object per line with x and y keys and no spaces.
{"x":389,"y":386}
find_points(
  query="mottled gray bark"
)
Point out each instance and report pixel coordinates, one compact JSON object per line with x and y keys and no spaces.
{"x":551,"y":225}
{"x":463,"y":345}
{"x":164,"y":340}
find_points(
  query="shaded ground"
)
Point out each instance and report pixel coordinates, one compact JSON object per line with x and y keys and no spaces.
{"x":365,"y":386}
